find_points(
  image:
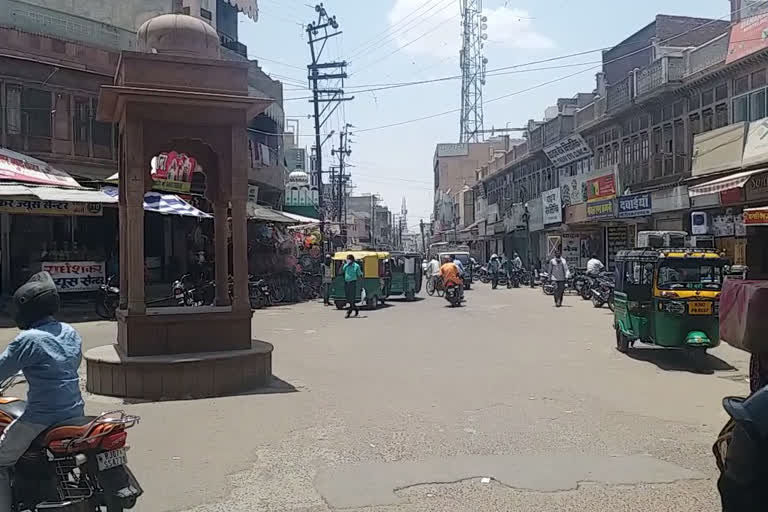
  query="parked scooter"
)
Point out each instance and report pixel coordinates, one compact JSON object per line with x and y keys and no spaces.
{"x":453,"y":295}
{"x":108,"y":299}
{"x":78,"y":464}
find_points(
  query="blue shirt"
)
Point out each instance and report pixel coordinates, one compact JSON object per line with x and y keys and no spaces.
{"x":459,"y":264}
{"x":49,"y":354}
{"x":352,"y":271}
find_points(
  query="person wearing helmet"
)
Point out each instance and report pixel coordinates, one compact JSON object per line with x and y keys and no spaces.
{"x":48,"y":353}
{"x":327,"y":280}
{"x":744,"y":473}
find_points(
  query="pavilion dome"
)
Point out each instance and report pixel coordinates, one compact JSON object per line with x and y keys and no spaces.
{"x":179,"y":34}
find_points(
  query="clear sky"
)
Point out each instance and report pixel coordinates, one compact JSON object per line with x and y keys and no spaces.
{"x":392,"y":41}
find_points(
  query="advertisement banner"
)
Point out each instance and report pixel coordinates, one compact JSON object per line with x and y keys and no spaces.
{"x":173,"y":172}
{"x":600,"y":209}
{"x":76,"y":276}
{"x":553,"y":209}
{"x":572,"y":250}
{"x":573,"y":189}
{"x":17,"y":167}
{"x":603,"y":187}
{"x":568,"y":150}
{"x":747,"y":37}
{"x":40,"y":207}
{"x":637,"y":205}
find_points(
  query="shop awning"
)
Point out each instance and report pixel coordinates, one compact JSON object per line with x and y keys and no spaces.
{"x":732,"y":181}
{"x":17,"y":167}
{"x":165,"y":204}
{"x":301,"y":219}
{"x":73,"y":195}
{"x":264,"y":214}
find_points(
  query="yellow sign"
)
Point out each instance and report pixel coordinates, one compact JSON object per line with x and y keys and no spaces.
{"x":700,"y":308}
{"x":40,"y":207}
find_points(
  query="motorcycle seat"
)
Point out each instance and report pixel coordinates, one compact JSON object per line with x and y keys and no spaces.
{"x":67,"y":429}
{"x":13,"y":409}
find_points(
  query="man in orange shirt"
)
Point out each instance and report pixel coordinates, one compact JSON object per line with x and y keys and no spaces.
{"x":449,"y":273}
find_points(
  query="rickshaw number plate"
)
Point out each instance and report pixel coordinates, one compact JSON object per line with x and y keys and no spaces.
{"x":700,"y":308}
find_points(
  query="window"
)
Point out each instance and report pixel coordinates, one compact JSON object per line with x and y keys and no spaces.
{"x":694,"y":101}
{"x":678,"y":109}
{"x":707,"y":120}
{"x":681,"y":275}
{"x":36,"y":112}
{"x":655,"y":115}
{"x":81,"y":119}
{"x":721,"y":92}
{"x":694,"y":120}
{"x":666,"y":112}
{"x":644,"y":149}
{"x":13,"y":109}
{"x":102,"y":134}
{"x":616,"y":153}
{"x":635,"y":149}
{"x":756,"y":105}
{"x":643,"y":121}
{"x":627,"y":152}
{"x":758,"y":79}
{"x":206,"y":14}
{"x":740,"y":109}
{"x":707,"y":97}
{"x":741,"y":85}
{"x":721,"y":115}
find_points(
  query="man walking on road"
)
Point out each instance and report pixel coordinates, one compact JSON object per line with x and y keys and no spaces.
{"x":558,"y":272}
{"x":352,"y":274}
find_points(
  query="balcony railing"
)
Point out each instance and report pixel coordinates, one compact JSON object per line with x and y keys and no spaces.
{"x":661,"y":72}
{"x":619,"y":94}
{"x":586,"y":115}
{"x":707,"y":55}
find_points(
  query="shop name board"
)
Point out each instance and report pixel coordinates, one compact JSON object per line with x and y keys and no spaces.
{"x":76,"y":276}
{"x":757,"y":187}
{"x":602,"y":187}
{"x":756,"y":217}
{"x":459,"y":149}
{"x":600,"y":209}
{"x":568,"y":150}
{"x":41,"y":207}
{"x":553,"y":209}
{"x":17,"y":169}
{"x":638,"y":205}
{"x":747,"y":36}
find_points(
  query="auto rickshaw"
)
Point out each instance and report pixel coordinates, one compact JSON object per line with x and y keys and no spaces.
{"x":407,"y":274}
{"x":669,"y":298}
{"x":375,"y":282}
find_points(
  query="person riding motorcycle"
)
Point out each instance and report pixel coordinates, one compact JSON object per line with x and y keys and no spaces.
{"x":48,"y":352}
{"x":494,"y":267}
{"x":451,"y":275}
{"x":512,"y":265}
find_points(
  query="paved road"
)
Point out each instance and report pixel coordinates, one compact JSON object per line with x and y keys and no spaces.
{"x":504,"y":404}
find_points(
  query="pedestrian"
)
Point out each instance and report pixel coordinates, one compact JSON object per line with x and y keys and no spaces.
{"x":327,"y":280}
{"x":558,"y":273}
{"x":352,"y":274}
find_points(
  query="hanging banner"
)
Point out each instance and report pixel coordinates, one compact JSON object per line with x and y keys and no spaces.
{"x":572,"y":250}
{"x":553,"y":208}
{"x":600,"y":209}
{"x":173,"y":172}
{"x":637,"y":205}
{"x":76,"y":276}
{"x":603,"y":187}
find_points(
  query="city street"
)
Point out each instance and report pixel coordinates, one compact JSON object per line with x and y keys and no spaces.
{"x":504,"y":404}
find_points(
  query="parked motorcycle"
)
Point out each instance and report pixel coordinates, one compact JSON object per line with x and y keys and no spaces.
{"x":189,"y":293}
{"x":485,"y":278}
{"x":516,"y":277}
{"x":259,"y":293}
{"x":108,"y":299}
{"x":77,"y":464}
{"x":602,"y":292}
{"x":453,"y":296}
{"x":547,"y":286}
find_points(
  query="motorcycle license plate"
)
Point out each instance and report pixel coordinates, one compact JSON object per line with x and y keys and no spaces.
{"x":700,"y":308}
{"x":113,"y":459}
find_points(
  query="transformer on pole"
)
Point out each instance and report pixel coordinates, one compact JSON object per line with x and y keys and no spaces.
{"x":473,"y":67}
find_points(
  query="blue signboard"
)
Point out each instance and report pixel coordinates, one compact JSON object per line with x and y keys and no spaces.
{"x":637,"y":205}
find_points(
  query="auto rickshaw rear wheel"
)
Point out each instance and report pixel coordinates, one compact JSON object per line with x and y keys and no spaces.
{"x":622,"y":341}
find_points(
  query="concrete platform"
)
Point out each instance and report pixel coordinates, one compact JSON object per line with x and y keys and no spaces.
{"x":178,"y":376}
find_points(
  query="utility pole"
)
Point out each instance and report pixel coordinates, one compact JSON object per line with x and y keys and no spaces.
{"x":373,"y":222}
{"x":342,"y":151}
{"x":423,"y":239}
{"x":319,"y":75}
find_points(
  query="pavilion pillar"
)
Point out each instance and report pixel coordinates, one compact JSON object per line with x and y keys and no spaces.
{"x":239,"y":221}
{"x":221,"y":253}
{"x":132,"y":221}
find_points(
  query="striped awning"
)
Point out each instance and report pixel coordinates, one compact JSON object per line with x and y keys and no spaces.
{"x":165,"y":204}
{"x":737,"y":180}
{"x":247,"y":7}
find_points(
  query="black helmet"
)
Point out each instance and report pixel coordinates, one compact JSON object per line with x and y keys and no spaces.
{"x":751,"y":412}
{"x":35,"y":300}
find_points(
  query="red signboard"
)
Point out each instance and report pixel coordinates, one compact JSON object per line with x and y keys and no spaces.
{"x":173,"y":171}
{"x":603,"y":187}
{"x":748,"y":36}
{"x":756,"y":217}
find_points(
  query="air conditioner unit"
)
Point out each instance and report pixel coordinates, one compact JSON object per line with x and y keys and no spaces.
{"x":700,"y":223}
{"x":702,"y":242}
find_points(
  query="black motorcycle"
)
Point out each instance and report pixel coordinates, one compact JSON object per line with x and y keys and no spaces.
{"x":602,"y":292}
{"x":189,"y":292}
{"x":516,"y":277}
{"x":108,"y":299}
{"x":453,"y":295}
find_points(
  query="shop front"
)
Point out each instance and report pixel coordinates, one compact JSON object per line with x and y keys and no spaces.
{"x":535,"y":208}
{"x":669,"y":207}
{"x":583,"y":236}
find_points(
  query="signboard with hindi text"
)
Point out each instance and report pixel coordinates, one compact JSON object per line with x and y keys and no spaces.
{"x":602,"y":187}
{"x":568,"y":150}
{"x":637,"y":205}
{"x":553,"y":208}
{"x":41,"y":207}
{"x":76,"y":276}
{"x":600,"y":209}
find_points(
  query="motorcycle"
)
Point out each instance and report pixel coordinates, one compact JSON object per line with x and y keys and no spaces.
{"x":602,"y":293}
{"x":581,"y":284}
{"x":77,"y":464}
{"x":453,"y":296}
{"x":516,"y":277}
{"x":259,"y":293}
{"x":547,"y":286}
{"x":190,"y":294}
{"x":485,"y":278}
{"x":108,"y":299}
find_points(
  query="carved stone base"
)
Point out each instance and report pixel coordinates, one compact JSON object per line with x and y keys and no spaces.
{"x":179,"y":376}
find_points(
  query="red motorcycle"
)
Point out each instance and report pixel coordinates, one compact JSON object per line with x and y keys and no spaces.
{"x":76,"y":465}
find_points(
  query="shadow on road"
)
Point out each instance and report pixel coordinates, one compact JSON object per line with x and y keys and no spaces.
{"x":678,"y":360}
{"x":276,"y":386}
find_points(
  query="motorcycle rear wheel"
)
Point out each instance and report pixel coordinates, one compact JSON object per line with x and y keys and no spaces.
{"x":104,"y":310}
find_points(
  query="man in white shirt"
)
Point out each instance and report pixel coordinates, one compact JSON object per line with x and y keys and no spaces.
{"x":558,"y":273}
{"x":594,"y":266}
{"x":433,"y":269}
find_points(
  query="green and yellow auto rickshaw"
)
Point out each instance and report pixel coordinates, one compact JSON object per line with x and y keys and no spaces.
{"x":375,"y":282}
{"x":668,"y":298}
{"x":407,"y":275}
